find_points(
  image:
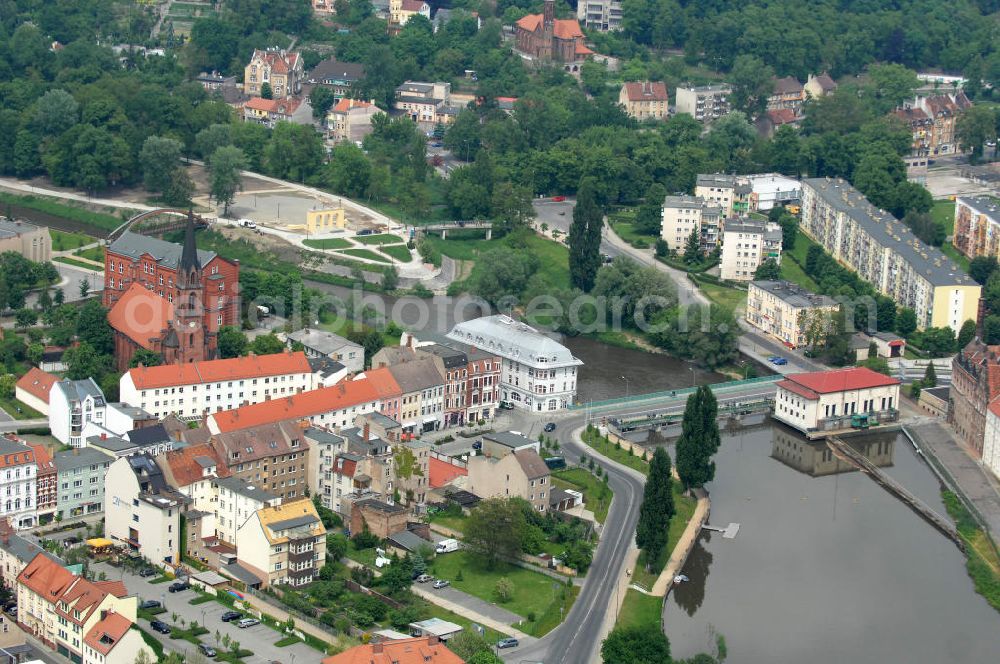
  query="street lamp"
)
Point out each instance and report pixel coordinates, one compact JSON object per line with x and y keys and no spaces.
{"x":694,"y":376}
{"x":626,"y":385}
{"x":746,"y":369}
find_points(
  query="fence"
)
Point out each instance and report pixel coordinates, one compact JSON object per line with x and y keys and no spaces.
{"x":678,"y":393}
{"x":358,"y":588}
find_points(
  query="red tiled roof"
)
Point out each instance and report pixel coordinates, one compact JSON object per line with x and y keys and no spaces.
{"x":994,"y":408}
{"x":185,"y":468}
{"x":413,"y":5}
{"x":298,"y":406}
{"x":116,"y":588}
{"x":442,"y":472}
{"x":561,"y":28}
{"x":276,"y":106}
{"x":646,"y":91}
{"x":384,"y":383}
{"x":106,"y":633}
{"x":347,"y":104}
{"x":42,"y":458}
{"x":781,"y":116}
{"x":811,"y":385}
{"x":401,"y":651}
{"x":54,"y":583}
{"x":912,"y":115}
{"x":236,"y":368}
{"x":141,"y":315}
{"x":37,"y":383}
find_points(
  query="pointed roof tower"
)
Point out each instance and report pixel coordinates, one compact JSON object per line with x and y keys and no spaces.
{"x":189,"y":255}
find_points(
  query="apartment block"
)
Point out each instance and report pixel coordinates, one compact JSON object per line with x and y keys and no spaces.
{"x":729,"y":192}
{"x":747,"y":243}
{"x":783,"y":310}
{"x":144,"y":511}
{"x":284,"y":544}
{"x":273,"y":457}
{"x":603,"y":15}
{"x":72,"y":405}
{"x":704,"y":103}
{"x":977,"y":226}
{"x":80,"y":474}
{"x":18,"y":483}
{"x":683,"y":215}
{"x":645,"y":100}
{"x":884,"y":252}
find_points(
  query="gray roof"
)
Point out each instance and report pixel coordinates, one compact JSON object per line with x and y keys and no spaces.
{"x":356,"y":442}
{"x":412,"y":86}
{"x":240,"y":573}
{"x":381,"y":420}
{"x":715,"y":180}
{"x":408,"y":540}
{"x":686,"y":201}
{"x":332,"y":69}
{"x":111,"y":443}
{"x":532,"y":464}
{"x":769,"y":231}
{"x":715,"y":87}
{"x":513,"y":339}
{"x":983,"y":205}
{"x":12,"y":228}
{"x":889,"y":232}
{"x":449,"y":356}
{"x":22,"y":549}
{"x":509,"y":439}
{"x":379,"y":506}
{"x":294,"y":522}
{"x":320,"y":340}
{"x":939,"y":392}
{"x":794,"y":295}
{"x":416,"y":375}
{"x":79,"y":457}
{"x":134,"y":412}
{"x":8,"y":446}
{"x":244,"y":488}
{"x":166,"y":253}
{"x":471,"y":352}
{"x":322,"y":436}
{"x":78,"y":390}
{"x":324,"y":366}
{"x":148,"y":435}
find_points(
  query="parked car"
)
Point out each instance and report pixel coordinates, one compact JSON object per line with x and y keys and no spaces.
{"x":424,"y":578}
{"x":550,"y":427}
{"x":149,"y":604}
{"x":160,"y":626}
{"x":247,"y":622}
{"x":365,"y":231}
{"x":478,"y":445}
{"x":441,"y":583}
{"x":206,"y":650}
{"x":147,"y":571}
{"x":178,"y":586}
{"x":509,"y":642}
{"x":558,"y":199}
{"x":781,"y":361}
{"x":506,"y":405}
{"x":12,"y":611}
{"x":71,"y":541}
{"x":231,"y":615}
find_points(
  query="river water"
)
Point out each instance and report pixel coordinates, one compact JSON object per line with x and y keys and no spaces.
{"x":827,"y":567}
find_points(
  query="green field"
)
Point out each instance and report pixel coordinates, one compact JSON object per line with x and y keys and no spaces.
{"x":11,"y":406}
{"x":639,"y":610}
{"x":793,"y":263}
{"x":99,"y":220}
{"x":328,"y":243}
{"x":943,"y":212}
{"x":463,"y":245}
{"x":397,"y":251}
{"x":621,"y":223}
{"x":382,"y":238}
{"x":365,"y":253}
{"x":727,"y":298}
{"x":75,"y":263}
{"x":533,"y":591}
{"x":63,"y":241}
{"x":93,"y":254}
{"x":601,"y":444}
{"x":596,"y":494}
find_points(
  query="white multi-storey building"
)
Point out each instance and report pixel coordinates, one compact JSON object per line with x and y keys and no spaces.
{"x":745,"y":245}
{"x":603,"y":15}
{"x":683,"y":215}
{"x":142,"y":511}
{"x":72,"y":405}
{"x":827,"y":401}
{"x":195,"y":389}
{"x":18,"y":483}
{"x":236,"y":501}
{"x":538,"y":373}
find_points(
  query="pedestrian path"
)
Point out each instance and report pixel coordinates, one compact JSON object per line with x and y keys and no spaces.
{"x":684,"y":545}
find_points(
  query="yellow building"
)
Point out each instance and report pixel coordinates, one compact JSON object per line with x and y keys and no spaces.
{"x":400,"y":11}
{"x":325,"y":220}
{"x":785,"y":310}
{"x":283,"y":544}
{"x":645,"y":100}
{"x":280,"y":69}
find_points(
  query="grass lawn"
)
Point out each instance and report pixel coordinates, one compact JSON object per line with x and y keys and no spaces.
{"x":452,"y":522}
{"x":341,"y":326}
{"x":462,"y":244}
{"x":727,"y":298}
{"x":26,"y":412}
{"x":434,"y":611}
{"x":793,"y":263}
{"x":621,"y":223}
{"x":381,"y":238}
{"x":949,"y":250}
{"x":328,"y":243}
{"x":397,"y":251}
{"x":60,"y":208}
{"x":365,"y":253}
{"x":943,"y":212}
{"x":63,"y":241}
{"x":601,"y":444}
{"x":533,"y":592}
{"x":596,"y":494}
{"x":364,"y":556}
{"x":72,"y":261}
{"x":684,"y":507}
{"x":640,"y":610}
{"x":554,"y":258}
{"x":982,"y":562}
{"x":93,"y":254}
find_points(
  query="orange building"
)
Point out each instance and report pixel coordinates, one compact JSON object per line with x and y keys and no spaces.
{"x":423,"y":650}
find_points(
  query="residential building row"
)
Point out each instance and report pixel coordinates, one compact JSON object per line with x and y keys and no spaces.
{"x":977,"y":226}
{"x":884,"y":252}
{"x":932,"y":121}
{"x":786,"y":311}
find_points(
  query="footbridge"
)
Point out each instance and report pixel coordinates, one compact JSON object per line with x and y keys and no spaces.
{"x":445,"y":226}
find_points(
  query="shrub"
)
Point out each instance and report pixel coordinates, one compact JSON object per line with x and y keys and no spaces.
{"x":504,"y":590}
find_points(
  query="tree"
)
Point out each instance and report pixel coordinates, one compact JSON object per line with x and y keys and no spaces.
{"x":55,"y":113}
{"x":966,"y":334}
{"x":467,"y":644}
{"x":982,"y":267}
{"x":84,"y":287}
{"x":161,"y":159}
{"x":906,"y":322}
{"x":974,"y":127}
{"x":753,"y":82}
{"x":225,"y":171}
{"x":692,"y":248}
{"x":930,"y":376}
{"x":265,"y":91}
{"x":25,"y":318}
{"x":82,"y":361}
{"x":503,"y":590}
{"x":92,"y":327}
{"x":494,"y":529}
{"x":211,"y":138}
{"x":699,"y":439}
{"x":656,"y":510}
{"x":321,"y":99}
{"x":635,"y":645}
{"x":146,"y":358}
{"x":649,"y":216}
{"x":769,"y":270}
{"x":267,"y":344}
{"x":232,"y":342}
{"x":585,"y":237}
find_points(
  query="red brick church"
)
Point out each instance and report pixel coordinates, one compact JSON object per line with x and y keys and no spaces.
{"x":547,"y":38}
{"x":167,"y":298}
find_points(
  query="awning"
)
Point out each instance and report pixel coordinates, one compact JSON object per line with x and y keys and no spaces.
{"x":99,"y":542}
{"x":430,"y":418}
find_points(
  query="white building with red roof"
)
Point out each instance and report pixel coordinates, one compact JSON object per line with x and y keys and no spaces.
{"x":113,"y":641}
{"x":195,"y":389}
{"x":401,"y":11}
{"x":823,"y":403}
{"x":32,"y":389}
{"x":270,"y":112}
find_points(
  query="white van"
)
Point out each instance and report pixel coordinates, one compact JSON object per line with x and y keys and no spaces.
{"x":246,"y":223}
{"x":446,"y":546}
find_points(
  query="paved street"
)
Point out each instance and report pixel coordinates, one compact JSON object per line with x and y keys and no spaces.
{"x":260,"y":638}
{"x":472,"y":603}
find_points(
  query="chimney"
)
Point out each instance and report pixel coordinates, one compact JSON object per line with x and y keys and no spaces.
{"x":376,"y":648}
{"x":104,"y":436}
{"x":432,"y":639}
{"x":367,"y":430}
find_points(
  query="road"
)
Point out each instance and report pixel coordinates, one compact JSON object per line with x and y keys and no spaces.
{"x":578,"y":639}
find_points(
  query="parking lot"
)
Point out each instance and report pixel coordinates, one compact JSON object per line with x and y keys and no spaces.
{"x":259,"y":639}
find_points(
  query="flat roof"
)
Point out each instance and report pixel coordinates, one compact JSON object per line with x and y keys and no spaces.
{"x":983,"y":205}
{"x":793,"y":294}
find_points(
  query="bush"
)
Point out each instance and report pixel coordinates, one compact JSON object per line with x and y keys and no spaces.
{"x":504,"y":590}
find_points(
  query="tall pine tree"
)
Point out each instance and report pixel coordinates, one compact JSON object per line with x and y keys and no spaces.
{"x":585,"y":237}
{"x":699,"y":439}
{"x":657,"y":508}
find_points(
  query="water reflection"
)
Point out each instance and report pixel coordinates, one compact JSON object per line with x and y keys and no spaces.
{"x":690,"y":594}
{"x":814,"y":457}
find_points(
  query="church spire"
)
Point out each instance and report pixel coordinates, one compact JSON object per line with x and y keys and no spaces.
{"x":189,"y":256}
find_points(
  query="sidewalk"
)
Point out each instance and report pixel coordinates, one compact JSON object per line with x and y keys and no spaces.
{"x":684,"y":545}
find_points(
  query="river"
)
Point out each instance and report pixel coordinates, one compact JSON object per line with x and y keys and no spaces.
{"x":827,"y":566}
{"x":53,"y":221}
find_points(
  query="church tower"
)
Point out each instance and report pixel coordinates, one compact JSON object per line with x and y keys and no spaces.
{"x":188,"y":340}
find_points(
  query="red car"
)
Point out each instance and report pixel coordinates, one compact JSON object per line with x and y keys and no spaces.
{"x":558,"y":199}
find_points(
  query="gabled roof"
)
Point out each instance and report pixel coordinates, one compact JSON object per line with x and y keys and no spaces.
{"x":331,"y":68}
{"x":54,"y":583}
{"x":42,"y":458}
{"x":787,"y":85}
{"x":213,"y":371}
{"x":166,"y":254}
{"x":141,"y":315}
{"x":825,"y":83}
{"x":646,"y":91}
{"x":561,"y":28}
{"x":345,"y":105}
{"x":297,"y":406}
{"x":276,"y":106}
{"x":37,"y":383}
{"x":414,"y":5}
{"x":402,"y":651}
{"x":145,"y":436}
{"x":812,"y":385}
{"x":532,"y":464}
{"x":442,"y":472}
{"x":782,"y":116}
{"x":106,"y":633}
{"x":259,"y":442}
{"x":320,"y":340}
{"x":14,"y":453}
{"x":416,"y":375}
{"x":79,"y":457}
